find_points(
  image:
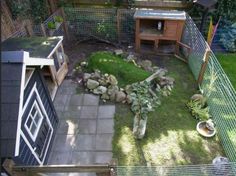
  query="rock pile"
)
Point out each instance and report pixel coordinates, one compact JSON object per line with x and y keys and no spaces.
{"x":106,"y":86}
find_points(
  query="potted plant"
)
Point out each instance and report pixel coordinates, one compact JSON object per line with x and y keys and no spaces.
{"x":51,"y":28}
{"x":58,"y":20}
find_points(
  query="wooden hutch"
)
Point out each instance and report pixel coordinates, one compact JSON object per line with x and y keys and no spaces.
{"x":156,"y":25}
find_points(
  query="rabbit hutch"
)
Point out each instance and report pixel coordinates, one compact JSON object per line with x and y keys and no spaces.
{"x":156,"y":26}
{"x":46,"y":48}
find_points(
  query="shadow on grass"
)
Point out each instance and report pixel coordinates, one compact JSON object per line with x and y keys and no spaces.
{"x":170,"y":137}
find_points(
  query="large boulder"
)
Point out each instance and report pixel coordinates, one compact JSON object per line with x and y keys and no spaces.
{"x":100,"y":90}
{"x":120,"y":96}
{"x":92,"y":84}
{"x":111,"y":79}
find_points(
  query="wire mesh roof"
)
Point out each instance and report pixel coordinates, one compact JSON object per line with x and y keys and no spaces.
{"x":160,"y":14}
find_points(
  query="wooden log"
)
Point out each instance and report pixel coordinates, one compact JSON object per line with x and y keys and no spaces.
{"x":153,"y":76}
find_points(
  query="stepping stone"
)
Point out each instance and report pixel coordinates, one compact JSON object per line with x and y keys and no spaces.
{"x":84,"y":142}
{"x":105,"y":126}
{"x":90,"y":100}
{"x":72,"y":114}
{"x":106,"y":111}
{"x":104,"y":142}
{"x":61,"y":99}
{"x":89,"y":112}
{"x":87,"y":126}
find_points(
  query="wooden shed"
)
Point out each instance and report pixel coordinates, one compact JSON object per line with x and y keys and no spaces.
{"x":44,"y":48}
{"x":157,"y":25}
{"x":28,"y":117}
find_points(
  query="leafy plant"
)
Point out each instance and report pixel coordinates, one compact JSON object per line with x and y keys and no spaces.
{"x":58,"y":19}
{"x":228,"y":37}
{"x":39,"y":10}
{"x":51,"y":25}
{"x":198,"y":111}
{"x":142,"y":101}
{"x":19,"y":9}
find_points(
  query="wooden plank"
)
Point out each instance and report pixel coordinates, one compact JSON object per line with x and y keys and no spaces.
{"x":65,"y":26}
{"x":203,"y":67}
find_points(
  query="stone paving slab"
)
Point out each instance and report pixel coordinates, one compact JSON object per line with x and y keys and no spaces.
{"x":68,"y":126}
{"x":105,"y":126}
{"x":106,"y":111}
{"x":60,"y":158}
{"x":90,"y":100}
{"x":72,"y":114}
{"x":82,"y":174}
{"x":82,"y":158}
{"x":85,"y":142}
{"x":89,"y":112}
{"x":87,"y":126}
{"x":102,"y":157}
{"x":104,"y":142}
{"x":76,"y":100}
{"x":63,"y":142}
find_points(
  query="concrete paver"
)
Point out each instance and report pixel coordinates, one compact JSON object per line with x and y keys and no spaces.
{"x":84,"y":134}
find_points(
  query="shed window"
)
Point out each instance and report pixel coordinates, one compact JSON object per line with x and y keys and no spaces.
{"x":34,"y":121}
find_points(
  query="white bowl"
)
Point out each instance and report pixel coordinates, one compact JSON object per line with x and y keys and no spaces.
{"x":204,"y":131}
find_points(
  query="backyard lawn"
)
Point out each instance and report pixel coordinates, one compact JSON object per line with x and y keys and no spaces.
{"x":171,"y":137}
{"x":228,"y":62}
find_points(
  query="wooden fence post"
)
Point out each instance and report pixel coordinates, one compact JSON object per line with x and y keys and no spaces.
{"x":29,"y":29}
{"x":118,"y":24}
{"x":204,"y":65}
{"x":43,"y":29}
{"x":65,"y":26}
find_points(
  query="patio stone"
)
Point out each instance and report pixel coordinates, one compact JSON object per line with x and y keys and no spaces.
{"x":105,"y":126}
{"x":68,"y":126}
{"x":72,"y":114}
{"x":90,"y":100}
{"x":87,"y":126}
{"x":81,"y":158}
{"x":106,"y":111}
{"x":103,"y":157}
{"x":84,"y":142}
{"x":76,"y":100}
{"x":104,"y":142}
{"x":60,"y":114}
{"x":61,"y":100}
{"x":60,"y":158}
{"x":59,"y":107}
{"x":73,"y":108}
{"x":63,"y":143}
{"x":89,"y":112}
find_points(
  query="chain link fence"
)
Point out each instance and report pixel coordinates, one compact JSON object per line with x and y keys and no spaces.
{"x":221,"y":96}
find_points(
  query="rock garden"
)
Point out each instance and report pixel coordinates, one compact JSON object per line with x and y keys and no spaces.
{"x":155,"y":121}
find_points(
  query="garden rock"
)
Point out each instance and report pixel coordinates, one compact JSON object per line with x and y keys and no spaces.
{"x":83,"y":64}
{"x":96,"y":75}
{"x":165,"y":80}
{"x":112,"y":90}
{"x":86,"y":76}
{"x":100,"y":90}
{"x":92,"y":84}
{"x":113,"y":97}
{"x":128,"y":89}
{"x":146,"y":65}
{"x":102,"y":81}
{"x":197,"y":97}
{"x":118,"y":52}
{"x":131,"y":57}
{"x":120,"y":96}
{"x":105,"y":96}
{"x":112,"y":80}
{"x":162,"y":72}
{"x":128,"y":99}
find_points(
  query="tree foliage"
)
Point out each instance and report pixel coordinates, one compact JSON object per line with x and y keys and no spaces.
{"x":226,"y":9}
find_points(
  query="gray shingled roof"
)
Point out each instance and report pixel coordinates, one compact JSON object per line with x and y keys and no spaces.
{"x":160,"y":14}
{"x":10,"y":98}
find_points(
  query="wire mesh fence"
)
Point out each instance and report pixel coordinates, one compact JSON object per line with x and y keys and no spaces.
{"x":221,"y":96}
{"x":228,"y":169}
{"x":103,"y":23}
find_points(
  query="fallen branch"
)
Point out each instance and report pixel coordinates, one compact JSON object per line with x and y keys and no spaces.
{"x":153,"y":76}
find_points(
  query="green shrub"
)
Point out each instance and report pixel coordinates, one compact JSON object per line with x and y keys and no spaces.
{"x":51,"y":25}
{"x":58,"y":19}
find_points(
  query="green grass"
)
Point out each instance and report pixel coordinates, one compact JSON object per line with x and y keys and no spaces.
{"x":126,"y":73}
{"x":228,"y":62}
{"x":171,"y":137}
